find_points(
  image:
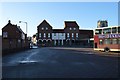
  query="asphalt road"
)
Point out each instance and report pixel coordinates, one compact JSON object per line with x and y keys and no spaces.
{"x":56,"y":62}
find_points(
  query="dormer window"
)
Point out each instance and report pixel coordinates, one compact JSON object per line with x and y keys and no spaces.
{"x":5,"y":34}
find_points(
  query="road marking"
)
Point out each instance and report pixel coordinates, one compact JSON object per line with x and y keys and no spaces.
{"x":23,"y":62}
{"x":27,"y":60}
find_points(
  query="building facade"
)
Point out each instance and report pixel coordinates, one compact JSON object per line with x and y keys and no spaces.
{"x":13,"y":37}
{"x":44,"y":33}
{"x":71,"y":35}
{"x":58,"y":37}
{"x":71,"y":32}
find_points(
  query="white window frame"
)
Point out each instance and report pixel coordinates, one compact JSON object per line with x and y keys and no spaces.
{"x":74,"y":28}
{"x":72,"y":35}
{"x":70,"y":28}
{"x":68,"y":35}
{"x":5,"y":34}
{"x":46,"y":28}
{"x":40,"y":35}
{"x":77,"y":35}
{"x":42,"y":28}
{"x":44,"y":35}
{"x":48,"y":35}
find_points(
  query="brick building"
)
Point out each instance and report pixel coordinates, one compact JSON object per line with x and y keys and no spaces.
{"x":71,"y":32}
{"x":71,"y":35}
{"x":13,"y":37}
{"x":44,"y":33}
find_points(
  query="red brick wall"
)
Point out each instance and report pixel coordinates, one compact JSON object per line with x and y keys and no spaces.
{"x":44,"y":25}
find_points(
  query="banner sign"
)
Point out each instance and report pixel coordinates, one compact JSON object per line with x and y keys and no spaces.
{"x":110,"y":36}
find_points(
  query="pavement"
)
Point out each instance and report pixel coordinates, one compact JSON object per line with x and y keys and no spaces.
{"x":59,"y":62}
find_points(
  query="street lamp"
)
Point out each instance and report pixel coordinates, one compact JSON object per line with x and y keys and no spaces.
{"x":25,"y":23}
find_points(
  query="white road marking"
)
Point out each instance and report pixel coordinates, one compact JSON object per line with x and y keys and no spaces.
{"x":28,"y":59}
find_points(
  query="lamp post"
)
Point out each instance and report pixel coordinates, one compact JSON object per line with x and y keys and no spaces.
{"x":25,"y":23}
{"x":26,"y":40}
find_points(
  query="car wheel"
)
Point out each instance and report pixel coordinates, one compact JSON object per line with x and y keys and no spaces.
{"x":106,"y":49}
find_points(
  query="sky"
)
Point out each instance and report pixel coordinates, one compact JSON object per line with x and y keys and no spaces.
{"x":86,"y":14}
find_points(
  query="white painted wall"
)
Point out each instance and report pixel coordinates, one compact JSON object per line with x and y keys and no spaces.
{"x":59,"y":36}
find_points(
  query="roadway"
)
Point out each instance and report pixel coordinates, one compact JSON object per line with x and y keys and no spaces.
{"x":59,"y":62}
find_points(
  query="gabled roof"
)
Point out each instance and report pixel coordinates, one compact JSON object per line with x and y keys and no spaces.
{"x":9,"y":24}
{"x":18,"y":27}
{"x":58,"y":30}
{"x":12,"y":25}
{"x":71,"y":24}
{"x":44,"y":22}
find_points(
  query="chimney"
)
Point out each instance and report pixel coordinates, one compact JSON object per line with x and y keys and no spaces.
{"x":9,"y":21}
